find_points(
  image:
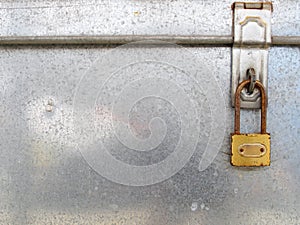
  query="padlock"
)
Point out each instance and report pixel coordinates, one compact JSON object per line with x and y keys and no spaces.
{"x":250,"y":149}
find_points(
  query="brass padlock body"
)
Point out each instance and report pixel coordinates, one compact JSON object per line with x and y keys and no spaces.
{"x":250,"y":149}
{"x":258,"y":155}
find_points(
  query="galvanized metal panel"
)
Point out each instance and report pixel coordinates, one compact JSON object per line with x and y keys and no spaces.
{"x":45,"y":179}
{"x":123,"y":17}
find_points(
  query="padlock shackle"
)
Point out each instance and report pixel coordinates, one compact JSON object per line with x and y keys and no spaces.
{"x":263,"y":116}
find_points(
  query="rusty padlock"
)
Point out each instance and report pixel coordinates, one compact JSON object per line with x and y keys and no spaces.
{"x":250,"y":149}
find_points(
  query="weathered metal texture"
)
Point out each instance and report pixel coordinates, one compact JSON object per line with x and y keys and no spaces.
{"x":44,"y":178}
{"x":125,"y":17}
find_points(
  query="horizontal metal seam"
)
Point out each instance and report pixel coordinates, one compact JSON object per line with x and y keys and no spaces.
{"x":124,"y":39}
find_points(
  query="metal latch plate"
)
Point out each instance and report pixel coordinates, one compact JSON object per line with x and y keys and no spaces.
{"x":252,"y":38}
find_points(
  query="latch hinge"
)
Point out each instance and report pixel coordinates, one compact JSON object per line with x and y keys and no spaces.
{"x":252,"y":38}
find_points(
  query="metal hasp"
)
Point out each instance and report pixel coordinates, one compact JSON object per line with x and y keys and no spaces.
{"x":252,"y":38}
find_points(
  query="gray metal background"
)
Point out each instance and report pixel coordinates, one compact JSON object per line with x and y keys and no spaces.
{"x":45,"y":180}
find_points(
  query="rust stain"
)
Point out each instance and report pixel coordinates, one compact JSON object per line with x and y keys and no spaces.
{"x":137,"y":13}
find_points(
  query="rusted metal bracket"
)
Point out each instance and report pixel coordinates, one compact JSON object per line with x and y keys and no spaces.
{"x":252,"y":39}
